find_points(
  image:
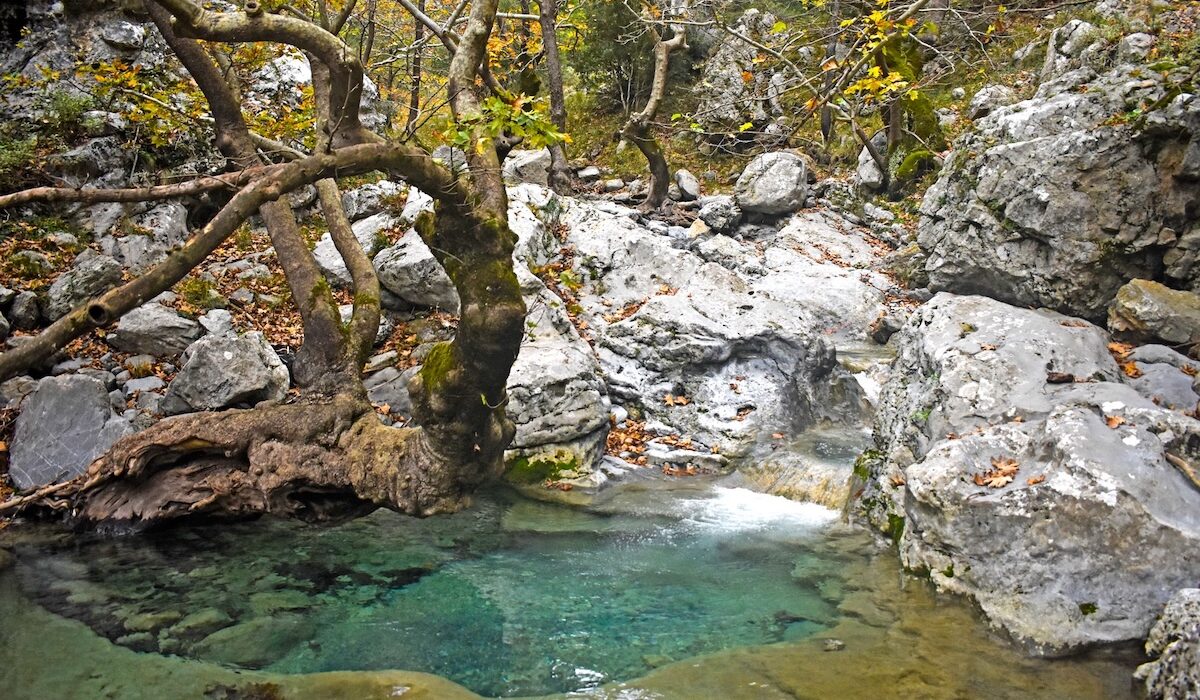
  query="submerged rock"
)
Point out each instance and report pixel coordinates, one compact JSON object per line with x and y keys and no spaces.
{"x":1017,"y":467}
{"x":255,"y":643}
{"x":1174,"y":643}
{"x":65,"y":424}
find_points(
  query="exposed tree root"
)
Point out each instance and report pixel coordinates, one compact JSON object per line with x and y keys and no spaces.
{"x":313,"y":460}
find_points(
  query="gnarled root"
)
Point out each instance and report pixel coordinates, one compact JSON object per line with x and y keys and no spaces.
{"x":314,"y":460}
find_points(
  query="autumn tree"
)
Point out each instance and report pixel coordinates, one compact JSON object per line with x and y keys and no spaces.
{"x":325,"y":452}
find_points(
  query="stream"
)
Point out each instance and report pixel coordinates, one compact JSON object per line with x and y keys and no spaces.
{"x":682,"y":588}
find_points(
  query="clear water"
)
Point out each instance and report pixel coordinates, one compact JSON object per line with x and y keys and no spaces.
{"x":511,"y":597}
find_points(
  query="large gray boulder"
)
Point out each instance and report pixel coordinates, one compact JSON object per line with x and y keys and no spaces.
{"x":147,"y":238}
{"x":409,"y":270}
{"x":65,"y":424}
{"x":92,"y":275}
{"x":1051,"y":202}
{"x":227,"y":371}
{"x":1080,"y":544}
{"x":773,"y":183}
{"x":1174,"y":643}
{"x":669,"y":323}
{"x":154,"y":329}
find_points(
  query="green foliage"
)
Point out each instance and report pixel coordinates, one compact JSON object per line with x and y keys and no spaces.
{"x":615,"y":59}
{"x":524,"y":117}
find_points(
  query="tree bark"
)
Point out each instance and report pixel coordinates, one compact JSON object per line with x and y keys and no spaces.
{"x":560,"y":171}
{"x":637,"y":129}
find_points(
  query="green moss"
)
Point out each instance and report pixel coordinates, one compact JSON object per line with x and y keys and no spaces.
{"x":437,"y":365}
{"x":1088,"y":608}
{"x":914,"y":165}
{"x":862,"y":465}
{"x":948,"y":572}
{"x":895,"y":527}
{"x":921,"y":416}
{"x":523,"y":470}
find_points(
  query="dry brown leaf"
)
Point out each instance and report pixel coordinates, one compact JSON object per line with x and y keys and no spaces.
{"x":1059,"y":378}
{"x":1034,"y":480}
{"x":1131,"y":370}
{"x":897,"y":480}
{"x":1075,"y":323}
{"x":1115,"y":421}
{"x":776,"y":436}
{"x":1120,"y":350}
{"x":1189,"y":370}
{"x":997,"y":481}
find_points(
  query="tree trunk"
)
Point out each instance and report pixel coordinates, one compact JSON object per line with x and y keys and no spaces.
{"x":414,"y":75}
{"x":326,"y":454}
{"x":560,"y":172}
{"x":637,"y":129}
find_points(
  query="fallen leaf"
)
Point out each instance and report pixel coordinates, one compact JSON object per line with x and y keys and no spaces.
{"x":997,"y":481}
{"x":897,"y":480}
{"x":1115,"y":421}
{"x":776,"y":436}
{"x":1131,"y":369}
{"x":1120,"y":350}
{"x":1005,"y":466}
{"x":1075,"y":323}
{"x":1189,"y":370}
{"x":1059,"y":378}
{"x":1034,"y":480}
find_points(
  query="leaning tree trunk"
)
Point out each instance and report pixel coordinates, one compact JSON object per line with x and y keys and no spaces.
{"x":637,"y":129}
{"x":326,"y":453}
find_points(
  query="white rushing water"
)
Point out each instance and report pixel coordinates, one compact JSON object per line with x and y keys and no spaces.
{"x":742,"y":510}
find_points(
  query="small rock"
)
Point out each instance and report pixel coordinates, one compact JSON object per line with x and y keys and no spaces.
{"x":589,"y":174}
{"x":689,"y":186}
{"x":150,"y":383}
{"x":773,"y":183}
{"x":154,"y":329}
{"x":224,"y":371}
{"x":1150,"y":311}
{"x":613,"y":185}
{"x":25,"y":312}
{"x":92,"y":275}
{"x":833,"y":645}
{"x":217,"y":322}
